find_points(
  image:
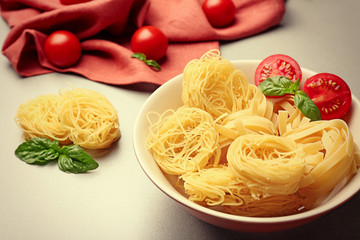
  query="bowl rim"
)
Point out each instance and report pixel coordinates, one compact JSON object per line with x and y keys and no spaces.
{"x":312,"y":213}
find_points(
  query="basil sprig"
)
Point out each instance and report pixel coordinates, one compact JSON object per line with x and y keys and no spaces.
{"x":280,"y":85}
{"x":71,"y":159}
{"x":148,"y":62}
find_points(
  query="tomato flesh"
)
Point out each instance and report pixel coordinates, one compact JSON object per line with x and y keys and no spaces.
{"x":220,"y":13}
{"x":150,"y":41}
{"x":62,"y":48}
{"x":330,"y":93}
{"x":278,"y":65}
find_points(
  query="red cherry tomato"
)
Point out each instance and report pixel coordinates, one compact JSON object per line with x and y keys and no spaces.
{"x":62,"y":48}
{"x":150,"y":41}
{"x":278,"y":65}
{"x":330,"y":93}
{"x":220,"y":13}
{"x":69,"y":2}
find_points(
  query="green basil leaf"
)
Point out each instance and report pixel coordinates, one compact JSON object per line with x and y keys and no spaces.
{"x":38,"y":151}
{"x":154,"y":64}
{"x":149,"y":62}
{"x":139,"y":56}
{"x":73,"y":159}
{"x":306,"y":105}
{"x":295,"y":86}
{"x":277,"y":86}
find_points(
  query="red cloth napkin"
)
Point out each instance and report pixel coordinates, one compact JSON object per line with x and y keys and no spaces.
{"x":104,"y":28}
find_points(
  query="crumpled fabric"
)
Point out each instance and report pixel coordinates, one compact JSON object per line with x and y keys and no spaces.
{"x":105,"y":27}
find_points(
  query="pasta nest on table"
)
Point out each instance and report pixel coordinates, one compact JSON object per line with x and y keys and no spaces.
{"x":80,"y":116}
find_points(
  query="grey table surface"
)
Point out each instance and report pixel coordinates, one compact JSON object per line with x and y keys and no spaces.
{"x":45,"y":203}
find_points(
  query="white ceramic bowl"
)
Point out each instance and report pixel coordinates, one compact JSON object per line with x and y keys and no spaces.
{"x":169,"y":96}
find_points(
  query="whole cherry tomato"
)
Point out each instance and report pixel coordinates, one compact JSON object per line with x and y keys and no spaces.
{"x":150,"y":41}
{"x":330,"y":93}
{"x":220,"y":13}
{"x":278,"y":65}
{"x":69,"y":2}
{"x":62,"y":48}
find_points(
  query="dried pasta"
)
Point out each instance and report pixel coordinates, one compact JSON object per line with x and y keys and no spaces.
{"x":213,"y":84}
{"x":270,"y":165}
{"x":184,"y":140}
{"x":334,"y":145}
{"x":216,"y":186}
{"x":80,"y":116}
{"x":39,"y":118}
{"x":89,"y":116}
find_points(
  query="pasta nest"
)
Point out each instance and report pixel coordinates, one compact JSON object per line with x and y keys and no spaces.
{"x":80,"y":116}
{"x":184,"y":140}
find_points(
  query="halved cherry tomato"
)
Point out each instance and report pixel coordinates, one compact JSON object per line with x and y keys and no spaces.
{"x":220,"y":13}
{"x":278,"y":65}
{"x":69,"y":2}
{"x":62,"y":48}
{"x":330,"y":93}
{"x":150,"y":41}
